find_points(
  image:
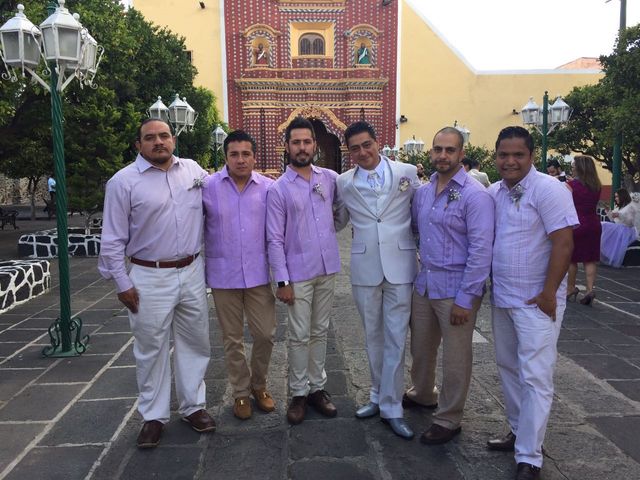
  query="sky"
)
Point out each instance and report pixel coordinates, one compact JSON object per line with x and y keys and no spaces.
{"x":527,"y":34}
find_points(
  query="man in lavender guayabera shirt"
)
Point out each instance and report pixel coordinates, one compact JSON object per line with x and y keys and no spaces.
{"x":535,"y":218}
{"x":153,"y":215}
{"x":454,"y":217}
{"x":235,"y":209}
{"x":303,"y":255}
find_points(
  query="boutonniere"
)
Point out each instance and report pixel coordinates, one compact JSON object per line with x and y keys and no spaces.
{"x":198,"y":182}
{"x":404,"y":184}
{"x":515,"y":194}
{"x":317,"y":188}
{"x":453,"y":196}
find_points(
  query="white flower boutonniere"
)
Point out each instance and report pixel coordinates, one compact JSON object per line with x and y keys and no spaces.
{"x":515,"y":194}
{"x":404,"y":184}
{"x":317,"y":188}
{"x":198,"y":182}
{"x":452,"y":196}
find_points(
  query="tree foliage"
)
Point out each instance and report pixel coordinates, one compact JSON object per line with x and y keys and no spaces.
{"x":612,"y":105}
{"x":141,"y":61}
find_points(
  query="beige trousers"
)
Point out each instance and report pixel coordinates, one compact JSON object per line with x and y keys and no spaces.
{"x":308,"y":327}
{"x":429,"y":325}
{"x":258,"y":305}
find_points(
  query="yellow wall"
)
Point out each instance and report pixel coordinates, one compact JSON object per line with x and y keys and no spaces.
{"x":201,"y":29}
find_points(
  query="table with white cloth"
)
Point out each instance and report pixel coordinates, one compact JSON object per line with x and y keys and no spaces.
{"x":615,"y":239}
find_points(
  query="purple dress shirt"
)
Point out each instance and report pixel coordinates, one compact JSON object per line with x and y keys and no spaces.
{"x":301,"y":236}
{"x":522,"y":247}
{"x":456,"y":237}
{"x":235,"y":242}
{"x":151,"y":215}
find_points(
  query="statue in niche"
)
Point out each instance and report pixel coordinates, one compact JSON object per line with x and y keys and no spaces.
{"x":260,"y":55}
{"x":363,"y":56}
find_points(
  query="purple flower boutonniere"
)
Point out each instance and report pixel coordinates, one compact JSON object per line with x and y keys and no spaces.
{"x":198,"y":182}
{"x":515,"y":194}
{"x":404,"y":184}
{"x":317,"y":188}
{"x":453,"y":196}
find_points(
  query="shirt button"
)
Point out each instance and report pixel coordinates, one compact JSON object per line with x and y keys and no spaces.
{"x":379,"y":221}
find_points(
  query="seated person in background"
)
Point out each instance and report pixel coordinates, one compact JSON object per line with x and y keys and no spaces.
{"x":471,"y":166}
{"x":620,"y":199}
{"x":616,"y":237}
{"x":555,"y":170}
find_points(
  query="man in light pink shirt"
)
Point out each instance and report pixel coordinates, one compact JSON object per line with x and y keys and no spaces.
{"x":153,"y":216}
{"x":535,"y":218}
{"x":235,"y":208}
{"x":304,"y":258}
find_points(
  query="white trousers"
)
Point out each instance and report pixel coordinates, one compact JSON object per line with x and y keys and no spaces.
{"x":308,"y":327}
{"x":172,"y":301}
{"x":385,"y":310}
{"x":526,"y":352}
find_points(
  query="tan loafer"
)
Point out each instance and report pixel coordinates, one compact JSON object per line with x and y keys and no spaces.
{"x":263,"y":400}
{"x":242,"y":408}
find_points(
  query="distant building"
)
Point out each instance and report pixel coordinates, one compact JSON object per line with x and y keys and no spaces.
{"x":582,"y":63}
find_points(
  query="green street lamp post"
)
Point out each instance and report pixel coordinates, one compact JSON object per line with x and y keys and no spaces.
{"x":179,"y":113}
{"x":217,"y":139}
{"x":616,"y":167}
{"x":70,"y":52}
{"x":545,"y":120}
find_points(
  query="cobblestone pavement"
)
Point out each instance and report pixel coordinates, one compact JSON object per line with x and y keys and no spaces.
{"x":76,"y":418}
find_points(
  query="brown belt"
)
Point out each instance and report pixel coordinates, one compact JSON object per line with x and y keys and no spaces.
{"x":181,"y":263}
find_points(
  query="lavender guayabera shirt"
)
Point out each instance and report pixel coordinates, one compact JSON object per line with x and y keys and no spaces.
{"x":456,"y":237}
{"x":301,"y":236}
{"x":235,"y":241}
{"x":150,"y":214}
{"x":522,"y":247}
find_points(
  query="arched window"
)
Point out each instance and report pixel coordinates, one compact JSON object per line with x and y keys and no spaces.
{"x":311,"y":44}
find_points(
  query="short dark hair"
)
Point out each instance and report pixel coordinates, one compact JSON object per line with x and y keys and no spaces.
{"x":239,"y":136}
{"x":470,"y":162}
{"x":516,"y":132}
{"x":298,"y":122}
{"x":554,"y":163}
{"x":451,"y":131}
{"x":359,"y":127}
{"x":149,"y":120}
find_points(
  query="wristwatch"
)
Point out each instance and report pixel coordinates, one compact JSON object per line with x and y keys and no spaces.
{"x":283,"y":284}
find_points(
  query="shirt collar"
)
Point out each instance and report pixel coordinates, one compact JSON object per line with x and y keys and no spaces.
{"x":290,"y":174}
{"x":380,"y":168}
{"x":224,"y":173}
{"x":460,"y":177}
{"x":143,"y":164}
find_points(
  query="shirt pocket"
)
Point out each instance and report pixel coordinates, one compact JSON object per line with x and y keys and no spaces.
{"x":406,"y":244}
{"x":358,"y":247}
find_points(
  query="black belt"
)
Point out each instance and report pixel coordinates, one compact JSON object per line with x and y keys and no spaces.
{"x":180,"y":263}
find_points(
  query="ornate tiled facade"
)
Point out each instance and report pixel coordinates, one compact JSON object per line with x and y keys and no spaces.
{"x":346,"y":71}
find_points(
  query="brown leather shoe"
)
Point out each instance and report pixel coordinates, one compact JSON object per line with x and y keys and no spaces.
{"x":408,"y":402}
{"x":504,"y":444}
{"x":437,"y":435}
{"x":263,"y":400}
{"x":242,"y":408}
{"x":297,"y":409}
{"x":201,"y":421}
{"x":149,"y":435}
{"x":526,"y":471}
{"x":321,"y":401}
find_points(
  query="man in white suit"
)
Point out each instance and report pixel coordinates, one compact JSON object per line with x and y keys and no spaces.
{"x":376,"y":196}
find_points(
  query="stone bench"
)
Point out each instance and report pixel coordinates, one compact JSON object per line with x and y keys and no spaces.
{"x":22,"y":280}
{"x":83,"y":242}
{"x":8,"y":217}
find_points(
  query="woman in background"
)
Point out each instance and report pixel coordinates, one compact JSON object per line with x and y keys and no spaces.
{"x":621,"y":199}
{"x":585,"y":188}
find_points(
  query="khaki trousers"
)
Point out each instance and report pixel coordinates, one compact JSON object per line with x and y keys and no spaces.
{"x":429,"y":325}
{"x":258,"y":305}
{"x":308,"y":327}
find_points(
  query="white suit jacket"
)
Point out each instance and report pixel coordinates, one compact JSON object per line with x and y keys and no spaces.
{"x":383,"y":244}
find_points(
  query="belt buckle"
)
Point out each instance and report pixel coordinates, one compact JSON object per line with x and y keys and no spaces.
{"x":157,"y":263}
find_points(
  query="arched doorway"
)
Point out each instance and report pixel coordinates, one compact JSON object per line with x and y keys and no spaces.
{"x":328,"y":155}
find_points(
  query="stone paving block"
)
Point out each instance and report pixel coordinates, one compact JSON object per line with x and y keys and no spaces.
{"x":329,"y":469}
{"x":12,"y":381}
{"x":98,"y":317}
{"x":177,"y":463}
{"x":623,"y":432}
{"x":75,"y":369}
{"x":217,"y":369}
{"x":336,"y":383}
{"x":215,"y":391}
{"x":15,"y":438}
{"x":566,"y":334}
{"x":126,"y":358}
{"x":37,"y":322}
{"x":334,"y":362}
{"x":108,"y":304}
{"x":88,"y":422}
{"x":30,"y":357}
{"x":630,"y":388}
{"x":607,"y":366}
{"x":114,"y":382}
{"x":631,"y":330}
{"x":604,"y":336}
{"x":336,"y":438}
{"x":259,"y":456}
{"x":39,"y":402}
{"x":578,"y":321}
{"x":9,"y":348}
{"x":628,"y":352}
{"x":12,"y":318}
{"x":108,"y":343}
{"x":568,"y":347}
{"x":116,"y":325}
{"x":18,"y":335}
{"x":66,"y":463}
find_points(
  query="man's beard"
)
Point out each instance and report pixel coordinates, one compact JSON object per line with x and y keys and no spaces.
{"x":301,"y":164}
